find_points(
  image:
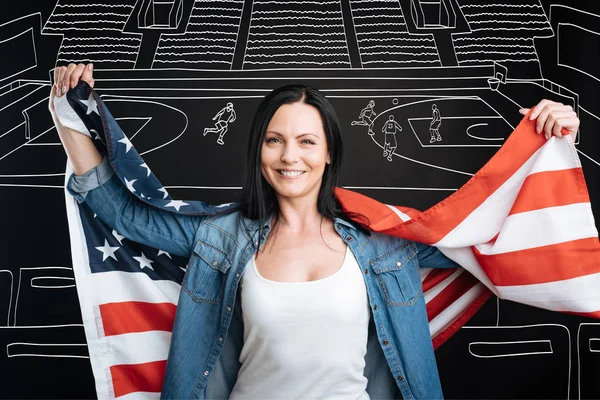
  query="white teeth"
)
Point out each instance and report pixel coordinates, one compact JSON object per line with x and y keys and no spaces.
{"x":290,"y":173}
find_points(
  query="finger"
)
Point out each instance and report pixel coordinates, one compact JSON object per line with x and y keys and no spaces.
{"x":87,"y":75}
{"x":524,"y":111}
{"x":544,"y":113}
{"x":66,"y":80}
{"x":537,"y":109}
{"x":549,"y":124}
{"x":76,"y":75}
{"x":60,"y":73}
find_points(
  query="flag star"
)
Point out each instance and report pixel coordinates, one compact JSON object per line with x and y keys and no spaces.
{"x":165,"y":253}
{"x":95,"y":215}
{"x":107,"y":251}
{"x":142,"y":195}
{"x":147,"y":167}
{"x":97,"y":135}
{"x":224,"y":205}
{"x":164,"y":191}
{"x":144,"y":261}
{"x":118,"y":237}
{"x":127,"y":144}
{"x":129,"y":184}
{"x":177,"y":204}
{"x":91,"y":104}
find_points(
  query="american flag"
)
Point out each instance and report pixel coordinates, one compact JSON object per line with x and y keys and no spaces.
{"x":522,"y":228}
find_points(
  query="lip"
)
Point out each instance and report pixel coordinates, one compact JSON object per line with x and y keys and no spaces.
{"x":281,"y":175}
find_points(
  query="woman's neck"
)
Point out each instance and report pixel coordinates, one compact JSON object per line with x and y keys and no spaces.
{"x":299,"y":216}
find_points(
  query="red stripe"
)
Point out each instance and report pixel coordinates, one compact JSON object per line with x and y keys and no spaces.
{"x":130,"y":378}
{"x":542,"y":264}
{"x":458,"y":287}
{"x":435,"y":223}
{"x":550,"y":189}
{"x":436,"y":276}
{"x":466,"y":315}
{"x":135,"y":316}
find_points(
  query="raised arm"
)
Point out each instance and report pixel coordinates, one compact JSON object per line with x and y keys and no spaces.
{"x":95,"y":182}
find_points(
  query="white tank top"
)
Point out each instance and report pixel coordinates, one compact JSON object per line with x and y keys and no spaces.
{"x":304,"y":340}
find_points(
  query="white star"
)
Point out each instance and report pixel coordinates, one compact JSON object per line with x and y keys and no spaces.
{"x":91,"y":105}
{"x":224,"y":205}
{"x":118,"y":237}
{"x":107,"y":251}
{"x":130,"y":184}
{"x":165,"y":253}
{"x":144,"y":261}
{"x":95,"y":215}
{"x":127,"y":144}
{"x":142,"y":195}
{"x":164,"y":191}
{"x":177,"y":204}
{"x":97,"y":135}
{"x":147,"y":167}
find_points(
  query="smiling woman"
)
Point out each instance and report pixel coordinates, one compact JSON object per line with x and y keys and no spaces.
{"x":284,"y":296}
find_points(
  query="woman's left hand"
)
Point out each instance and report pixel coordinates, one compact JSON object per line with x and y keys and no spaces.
{"x":552,"y":117}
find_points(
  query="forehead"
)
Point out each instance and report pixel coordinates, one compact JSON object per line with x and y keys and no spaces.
{"x":296,"y":118}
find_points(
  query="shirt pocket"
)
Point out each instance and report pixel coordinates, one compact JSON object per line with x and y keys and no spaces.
{"x":206,"y":274}
{"x":398,"y":275}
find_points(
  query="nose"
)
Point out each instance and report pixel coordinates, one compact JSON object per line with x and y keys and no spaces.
{"x":289,"y":154}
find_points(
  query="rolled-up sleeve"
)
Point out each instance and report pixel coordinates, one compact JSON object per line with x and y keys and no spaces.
{"x":80,"y":185}
{"x":101,"y":189}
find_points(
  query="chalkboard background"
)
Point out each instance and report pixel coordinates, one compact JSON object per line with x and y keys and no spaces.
{"x":166,"y":69}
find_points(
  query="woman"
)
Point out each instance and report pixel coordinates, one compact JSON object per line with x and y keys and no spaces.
{"x":326,"y":304}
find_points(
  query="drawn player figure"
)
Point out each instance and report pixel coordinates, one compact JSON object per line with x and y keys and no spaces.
{"x":365,"y":118}
{"x":434,"y":125}
{"x":222,"y":123}
{"x":390,"y":128}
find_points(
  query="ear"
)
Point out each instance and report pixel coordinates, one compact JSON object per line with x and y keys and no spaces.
{"x":328,"y":159}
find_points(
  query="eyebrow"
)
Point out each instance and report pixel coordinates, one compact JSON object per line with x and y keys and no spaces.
{"x":299,"y":136}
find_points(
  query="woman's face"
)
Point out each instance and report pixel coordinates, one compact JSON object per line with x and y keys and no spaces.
{"x":294,"y":152}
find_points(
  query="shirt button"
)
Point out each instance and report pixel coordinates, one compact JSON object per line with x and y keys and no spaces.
{"x":237,"y":275}
{"x":400,"y":378}
{"x":220,"y":339}
{"x":228,"y":308}
{"x":215,"y":263}
{"x":256,"y":243}
{"x":366,"y":270}
{"x":399,"y":264}
{"x":386,"y":342}
{"x":375,"y":307}
{"x":349,"y":238}
{"x":205,"y":373}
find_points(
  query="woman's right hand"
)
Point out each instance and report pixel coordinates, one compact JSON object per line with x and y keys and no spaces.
{"x":68,"y":77}
{"x":80,"y":149}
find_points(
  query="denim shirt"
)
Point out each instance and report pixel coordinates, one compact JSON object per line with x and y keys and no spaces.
{"x":207,"y":337}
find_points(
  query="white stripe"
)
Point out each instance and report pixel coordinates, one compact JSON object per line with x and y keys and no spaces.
{"x":119,"y":286}
{"x":465,"y":258}
{"x":400,"y":214}
{"x":455,"y":310}
{"x":487,"y":220}
{"x":556,"y":155}
{"x":434,"y":291}
{"x":85,"y":289}
{"x":68,"y":117}
{"x":576,"y":295}
{"x":137,"y":348}
{"x":140,"y":396}
{"x":543,"y":227}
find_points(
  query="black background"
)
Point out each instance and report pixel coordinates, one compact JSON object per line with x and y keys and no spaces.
{"x":558,"y":61}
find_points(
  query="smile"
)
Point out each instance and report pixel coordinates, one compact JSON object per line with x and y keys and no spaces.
{"x":290,"y":174}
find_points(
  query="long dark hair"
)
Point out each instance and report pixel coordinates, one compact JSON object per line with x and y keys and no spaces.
{"x":258,"y":197}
